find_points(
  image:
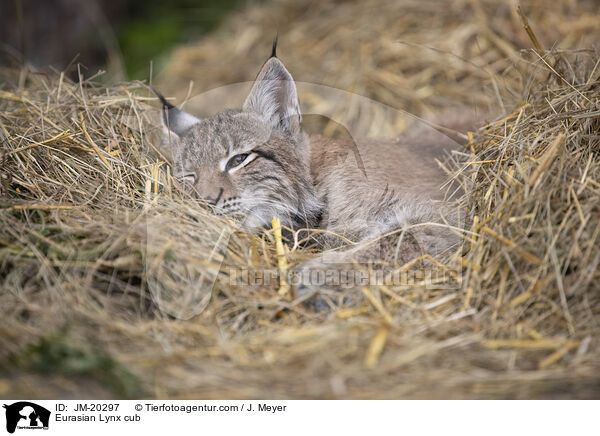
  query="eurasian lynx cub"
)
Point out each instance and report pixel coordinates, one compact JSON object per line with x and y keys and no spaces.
{"x":258,"y":163}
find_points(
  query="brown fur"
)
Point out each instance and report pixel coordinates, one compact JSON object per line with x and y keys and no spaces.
{"x":384,"y":196}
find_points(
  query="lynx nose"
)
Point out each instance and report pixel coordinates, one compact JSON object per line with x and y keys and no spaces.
{"x":214,"y":200}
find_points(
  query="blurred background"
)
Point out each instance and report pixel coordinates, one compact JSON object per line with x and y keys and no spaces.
{"x":122,"y":36}
{"x":422,"y":56}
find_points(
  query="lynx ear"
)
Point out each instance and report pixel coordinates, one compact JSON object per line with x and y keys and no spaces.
{"x":174,"y":119}
{"x":274,"y":96}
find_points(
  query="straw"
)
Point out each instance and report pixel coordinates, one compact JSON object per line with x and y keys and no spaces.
{"x":100,"y":248}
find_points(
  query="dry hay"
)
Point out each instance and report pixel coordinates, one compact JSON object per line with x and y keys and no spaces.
{"x":420,"y":56}
{"x":83,"y":191}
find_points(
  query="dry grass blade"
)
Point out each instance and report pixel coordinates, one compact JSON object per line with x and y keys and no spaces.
{"x":547,"y":158}
{"x":98,"y":263}
{"x":284,"y":287}
{"x":528,"y":29}
{"x":376,"y":347}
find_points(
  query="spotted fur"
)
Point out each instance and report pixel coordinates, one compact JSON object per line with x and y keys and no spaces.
{"x":257,"y":163}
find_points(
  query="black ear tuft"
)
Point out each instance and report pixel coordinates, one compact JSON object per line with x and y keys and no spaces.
{"x":167,"y":108}
{"x":163,"y":100}
{"x":173,"y":118}
{"x":274,"y":50}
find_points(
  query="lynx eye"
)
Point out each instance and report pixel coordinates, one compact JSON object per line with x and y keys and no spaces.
{"x":239,"y":160}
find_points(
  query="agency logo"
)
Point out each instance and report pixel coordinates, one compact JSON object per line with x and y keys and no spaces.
{"x":26,"y":415}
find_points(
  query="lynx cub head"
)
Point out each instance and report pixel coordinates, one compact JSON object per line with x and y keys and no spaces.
{"x":251,"y":162}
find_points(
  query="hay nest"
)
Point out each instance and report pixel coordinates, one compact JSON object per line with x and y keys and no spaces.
{"x":92,"y":222}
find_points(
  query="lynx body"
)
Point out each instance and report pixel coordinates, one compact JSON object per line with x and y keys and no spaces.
{"x":258,"y":163}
